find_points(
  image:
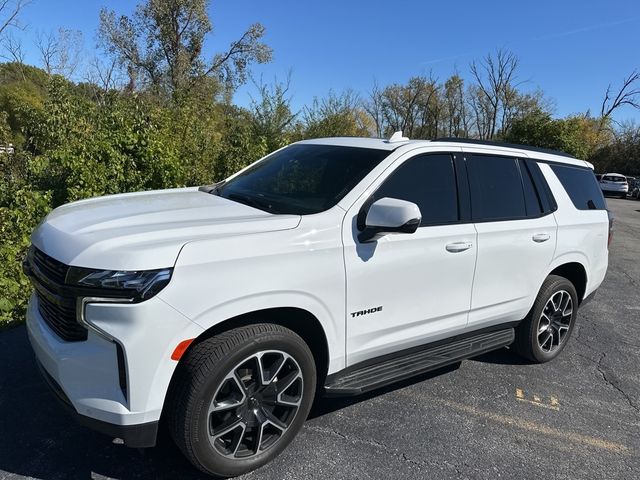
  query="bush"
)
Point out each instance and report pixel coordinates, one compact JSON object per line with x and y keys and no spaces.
{"x":19,"y":215}
{"x":72,"y":147}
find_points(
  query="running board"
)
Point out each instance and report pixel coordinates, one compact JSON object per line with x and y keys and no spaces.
{"x":356,"y":380}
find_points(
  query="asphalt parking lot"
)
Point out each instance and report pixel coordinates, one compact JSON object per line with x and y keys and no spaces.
{"x":492,"y":417}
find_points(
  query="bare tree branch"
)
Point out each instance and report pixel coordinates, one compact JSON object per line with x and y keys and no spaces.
{"x":11,"y":8}
{"x":14,"y":52}
{"x":103,"y":74}
{"x":628,"y":94}
{"x":495,"y":77}
{"x":47,"y":48}
{"x":59,"y":52}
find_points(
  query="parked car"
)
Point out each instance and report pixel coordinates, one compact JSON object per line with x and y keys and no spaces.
{"x":331,"y":266}
{"x":634,"y":188}
{"x":614,"y":184}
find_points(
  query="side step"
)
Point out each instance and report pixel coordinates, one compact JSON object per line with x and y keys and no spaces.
{"x":356,"y":380}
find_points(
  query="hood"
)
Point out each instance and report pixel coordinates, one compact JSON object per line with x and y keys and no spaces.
{"x":146,"y":230}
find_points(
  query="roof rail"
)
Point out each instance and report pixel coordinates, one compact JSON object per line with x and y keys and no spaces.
{"x":502,"y":144}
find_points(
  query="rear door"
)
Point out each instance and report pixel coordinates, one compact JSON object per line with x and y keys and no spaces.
{"x":516,"y":237}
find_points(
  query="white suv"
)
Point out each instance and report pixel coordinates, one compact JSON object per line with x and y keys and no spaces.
{"x":333,"y":265}
{"x":614,"y":184}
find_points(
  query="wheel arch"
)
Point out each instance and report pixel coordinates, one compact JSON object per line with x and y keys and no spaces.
{"x":300,"y":321}
{"x":576,"y":273}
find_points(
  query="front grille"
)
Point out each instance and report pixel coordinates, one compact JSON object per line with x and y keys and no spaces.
{"x":56,"y":306}
{"x":61,"y":318}
{"x":51,"y":268}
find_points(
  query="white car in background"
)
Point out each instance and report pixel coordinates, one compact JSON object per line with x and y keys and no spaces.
{"x":614,"y":184}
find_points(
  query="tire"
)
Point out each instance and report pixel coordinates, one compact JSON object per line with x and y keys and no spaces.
{"x":219,"y":384}
{"x":532,"y":335}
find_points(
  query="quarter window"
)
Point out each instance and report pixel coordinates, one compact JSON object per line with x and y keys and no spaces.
{"x":582,"y":187}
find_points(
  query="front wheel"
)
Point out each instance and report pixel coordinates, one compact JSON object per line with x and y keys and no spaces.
{"x":241,"y":397}
{"x":544,"y":333}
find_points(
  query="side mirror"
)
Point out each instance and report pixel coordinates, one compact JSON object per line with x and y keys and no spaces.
{"x":390,"y":215}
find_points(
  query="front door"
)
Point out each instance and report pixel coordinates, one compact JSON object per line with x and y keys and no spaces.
{"x":405,"y":290}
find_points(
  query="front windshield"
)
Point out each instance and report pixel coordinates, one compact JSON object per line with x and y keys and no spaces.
{"x":302,"y":179}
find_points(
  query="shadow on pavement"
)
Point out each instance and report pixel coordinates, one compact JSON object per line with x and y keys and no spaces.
{"x":504,"y":356}
{"x":38,"y":439}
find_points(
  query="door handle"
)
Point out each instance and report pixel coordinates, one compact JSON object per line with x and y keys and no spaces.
{"x":457,"y":247}
{"x":541,"y":237}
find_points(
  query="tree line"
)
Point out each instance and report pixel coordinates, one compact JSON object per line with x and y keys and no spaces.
{"x":154,"y":111}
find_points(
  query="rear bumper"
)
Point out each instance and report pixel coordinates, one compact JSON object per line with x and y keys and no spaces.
{"x":137,"y":436}
{"x":615,"y":191}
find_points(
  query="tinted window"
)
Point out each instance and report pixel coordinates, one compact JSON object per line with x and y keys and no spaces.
{"x":496,"y":188}
{"x":615,"y":178}
{"x":302,"y":179}
{"x":545,"y":196}
{"x":531,"y":198}
{"x":582,"y":187}
{"x":429,"y":181}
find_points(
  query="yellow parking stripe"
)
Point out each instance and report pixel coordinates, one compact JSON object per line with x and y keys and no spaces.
{"x":563,"y":435}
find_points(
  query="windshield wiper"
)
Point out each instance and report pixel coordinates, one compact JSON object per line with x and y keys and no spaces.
{"x":251,"y":201}
{"x":213,"y":189}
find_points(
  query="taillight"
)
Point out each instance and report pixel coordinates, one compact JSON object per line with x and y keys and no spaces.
{"x":610,"y":229}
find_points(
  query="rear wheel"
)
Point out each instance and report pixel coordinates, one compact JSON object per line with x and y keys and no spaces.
{"x":544,"y":333}
{"x":241,"y":397}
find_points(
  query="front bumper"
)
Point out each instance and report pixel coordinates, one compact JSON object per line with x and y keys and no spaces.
{"x":137,"y":436}
{"x":88,"y":374}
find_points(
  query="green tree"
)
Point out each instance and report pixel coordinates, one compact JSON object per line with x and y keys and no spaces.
{"x":336,"y":115}
{"x":622,"y":154}
{"x":161,"y":45}
{"x":272,"y":118}
{"x":578,"y":135}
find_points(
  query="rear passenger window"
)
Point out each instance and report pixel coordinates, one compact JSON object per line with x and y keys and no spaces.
{"x":496,"y":188}
{"x":582,"y":187}
{"x":429,"y":181}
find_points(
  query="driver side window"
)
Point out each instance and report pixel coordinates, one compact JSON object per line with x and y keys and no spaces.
{"x":429,"y":181}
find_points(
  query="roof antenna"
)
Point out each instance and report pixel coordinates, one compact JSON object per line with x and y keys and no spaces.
{"x":397,"y":137}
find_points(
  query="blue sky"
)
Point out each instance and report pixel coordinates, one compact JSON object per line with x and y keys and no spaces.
{"x":570,"y":49}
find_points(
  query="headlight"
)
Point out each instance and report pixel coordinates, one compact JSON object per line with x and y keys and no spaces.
{"x":139,"y":285}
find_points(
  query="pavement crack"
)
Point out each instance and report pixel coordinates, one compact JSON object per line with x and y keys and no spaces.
{"x":631,"y":279}
{"x":394,"y":452}
{"x":614,"y":384}
{"x":578,"y":339}
{"x":406,"y":458}
{"x":352,"y":439}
